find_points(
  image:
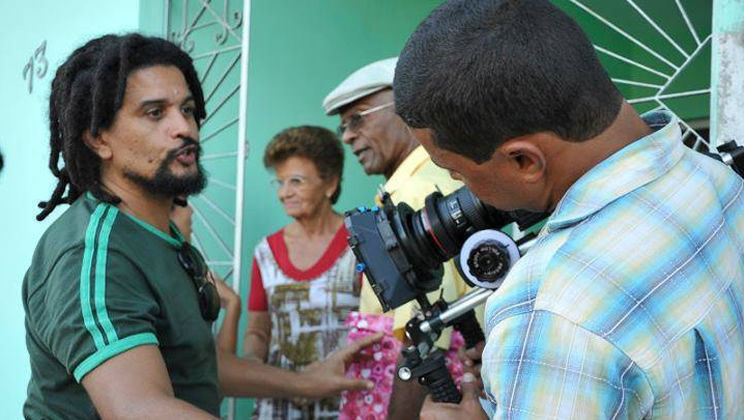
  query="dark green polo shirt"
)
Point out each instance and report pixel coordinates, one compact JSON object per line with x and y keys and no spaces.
{"x":102,"y":282}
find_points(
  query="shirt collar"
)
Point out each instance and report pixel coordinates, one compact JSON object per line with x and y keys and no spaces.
{"x":417,"y":158}
{"x":630,"y":168}
{"x":176,"y":239}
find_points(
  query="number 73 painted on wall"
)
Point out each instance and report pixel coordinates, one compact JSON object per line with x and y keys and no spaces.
{"x":39,"y":59}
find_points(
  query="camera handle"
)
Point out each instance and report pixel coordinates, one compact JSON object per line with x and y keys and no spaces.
{"x":426,"y":362}
{"x":423,"y":360}
{"x":431,"y":372}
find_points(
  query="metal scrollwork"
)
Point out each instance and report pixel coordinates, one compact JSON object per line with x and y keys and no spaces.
{"x":228,"y":22}
{"x":236,"y":16}
{"x":186,"y":43}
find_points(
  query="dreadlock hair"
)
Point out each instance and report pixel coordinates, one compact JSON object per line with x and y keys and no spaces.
{"x":87,"y":92}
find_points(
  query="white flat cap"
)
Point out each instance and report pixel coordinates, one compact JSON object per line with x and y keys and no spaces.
{"x":365,"y":81}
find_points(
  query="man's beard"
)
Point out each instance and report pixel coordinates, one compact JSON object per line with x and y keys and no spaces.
{"x":165,"y":184}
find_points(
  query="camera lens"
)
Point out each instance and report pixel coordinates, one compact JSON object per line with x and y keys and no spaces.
{"x":440,"y":228}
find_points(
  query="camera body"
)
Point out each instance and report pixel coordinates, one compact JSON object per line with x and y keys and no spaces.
{"x":402,"y":251}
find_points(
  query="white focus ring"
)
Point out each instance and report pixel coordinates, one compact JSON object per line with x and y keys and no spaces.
{"x":487,"y":236}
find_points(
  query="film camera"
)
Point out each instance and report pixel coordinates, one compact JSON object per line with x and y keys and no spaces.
{"x":402,"y":251}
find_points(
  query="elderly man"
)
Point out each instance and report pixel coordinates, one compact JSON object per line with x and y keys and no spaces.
{"x":630,"y":304}
{"x":119,"y":307}
{"x":384,"y":145}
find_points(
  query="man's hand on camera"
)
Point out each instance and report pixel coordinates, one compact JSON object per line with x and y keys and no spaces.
{"x":327,"y":377}
{"x":471,"y":361}
{"x":468,"y":409}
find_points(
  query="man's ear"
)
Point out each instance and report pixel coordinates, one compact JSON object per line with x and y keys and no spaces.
{"x":98,"y":145}
{"x":525,"y":156}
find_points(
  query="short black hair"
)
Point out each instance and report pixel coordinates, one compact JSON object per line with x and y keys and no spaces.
{"x":478,"y":73}
{"x":87,"y":92}
{"x":319,"y":145}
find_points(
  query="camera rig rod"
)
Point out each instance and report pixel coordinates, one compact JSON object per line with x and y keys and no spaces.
{"x":456,"y":309}
{"x":423,"y":360}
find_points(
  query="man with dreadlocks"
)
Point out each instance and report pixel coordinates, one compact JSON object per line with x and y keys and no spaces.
{"x":118,"y":306}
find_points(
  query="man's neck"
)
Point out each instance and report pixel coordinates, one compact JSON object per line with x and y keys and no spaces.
{"x":573,"y":160}
{"x":138,"y":203}
{"x":410,"y":147}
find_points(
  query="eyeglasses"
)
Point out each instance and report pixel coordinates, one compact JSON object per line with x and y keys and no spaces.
{"x":295,"y":182}
{"x":356,"y":120}
{"x":209,"y":299}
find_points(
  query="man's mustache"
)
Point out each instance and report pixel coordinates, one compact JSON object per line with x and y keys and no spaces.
{"x":188,"y":142}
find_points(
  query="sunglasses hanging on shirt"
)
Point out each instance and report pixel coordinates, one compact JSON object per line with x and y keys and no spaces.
{"x":193,"y":262}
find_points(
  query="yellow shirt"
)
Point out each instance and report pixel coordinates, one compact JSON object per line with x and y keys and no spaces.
{"x":412,"y":182}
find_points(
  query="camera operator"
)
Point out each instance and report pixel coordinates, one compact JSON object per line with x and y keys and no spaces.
{"x":384,"y":146}
{"x":630,"y":303}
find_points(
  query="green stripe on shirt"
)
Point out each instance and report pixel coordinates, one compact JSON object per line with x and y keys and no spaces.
{"x":100,"y":276}
{"x":105,"y":353}
{"x":85,"y":304}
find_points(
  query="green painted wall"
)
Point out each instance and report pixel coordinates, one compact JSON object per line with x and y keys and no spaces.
{"x":24,"y":142}
{"x":299,"y":52}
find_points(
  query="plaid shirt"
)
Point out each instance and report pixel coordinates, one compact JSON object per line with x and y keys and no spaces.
{"x":630,"y":305}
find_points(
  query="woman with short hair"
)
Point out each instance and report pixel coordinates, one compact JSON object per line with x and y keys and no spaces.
{"x":303,"y":282}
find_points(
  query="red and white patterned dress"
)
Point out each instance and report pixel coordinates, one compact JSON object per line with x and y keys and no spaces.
{"x":307,"y":310}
